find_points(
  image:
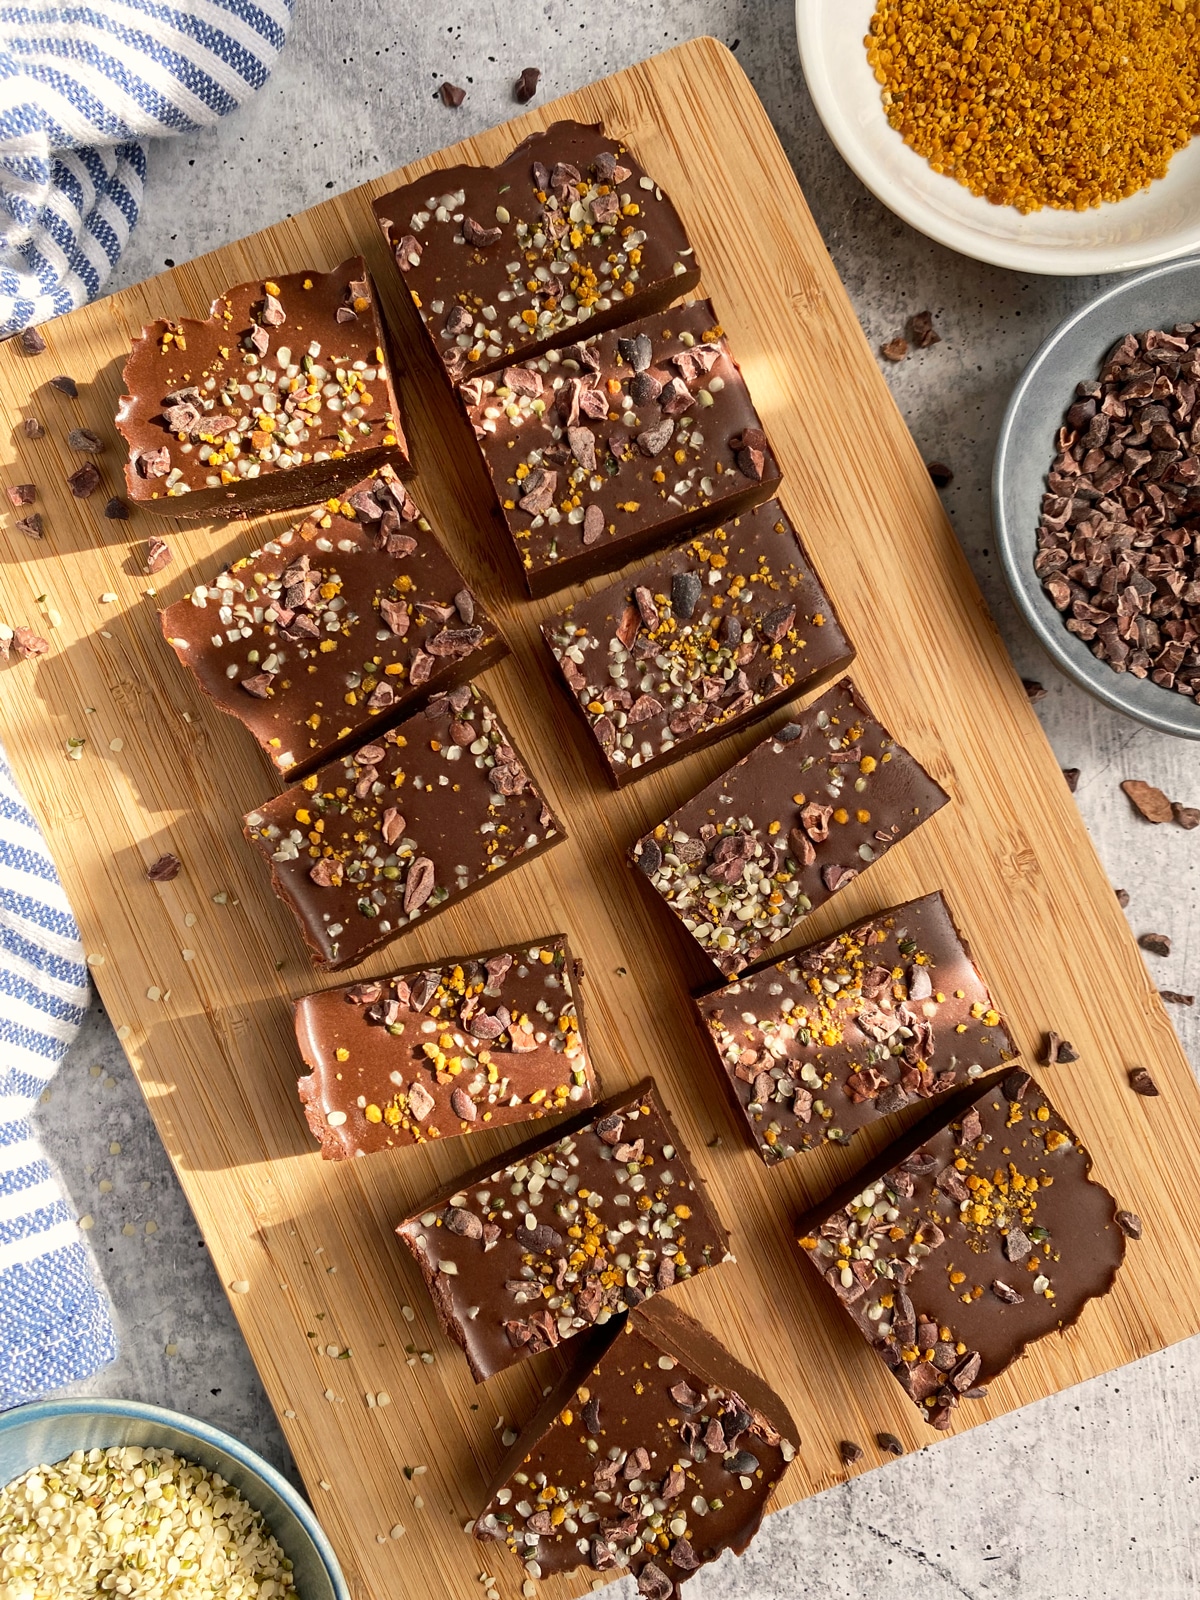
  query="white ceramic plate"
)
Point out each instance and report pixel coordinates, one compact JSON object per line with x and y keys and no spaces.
{"x":1156,"y":225}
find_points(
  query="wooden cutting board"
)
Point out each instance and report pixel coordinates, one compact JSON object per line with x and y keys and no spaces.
{"x":210,"y":1037}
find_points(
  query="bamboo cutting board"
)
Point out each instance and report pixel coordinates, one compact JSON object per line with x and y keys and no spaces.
{"x":199,"y":973}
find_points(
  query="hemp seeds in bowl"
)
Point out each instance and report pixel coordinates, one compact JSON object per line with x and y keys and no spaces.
{"x":135,"y":1521}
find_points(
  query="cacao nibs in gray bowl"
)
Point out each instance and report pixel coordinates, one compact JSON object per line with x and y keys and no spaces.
{"x":1119,"y":537}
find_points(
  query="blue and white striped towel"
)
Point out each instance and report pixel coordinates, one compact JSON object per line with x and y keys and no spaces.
{"x":54,"y":1322}
{"x":81,"y":86}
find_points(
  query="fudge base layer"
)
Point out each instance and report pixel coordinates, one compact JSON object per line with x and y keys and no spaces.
{"x":566,"y":1233}
{"x":977,"y":1233}
{"x":651,"y":1457}
{"x":436,"y":1051}
{"x":835,"y":1036}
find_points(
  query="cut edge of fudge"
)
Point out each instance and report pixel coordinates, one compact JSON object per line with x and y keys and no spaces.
{"x":644,"y":612}
{"x":336,"y":1145}
{"x":276,"y":490}
{"x":1000,"y":1044}
{"x":446,"y":182}
{"x":686,"y":1343}
{"x":481,"y":1174}
{"x":936,"y":1389}
{"x":444,"y":671}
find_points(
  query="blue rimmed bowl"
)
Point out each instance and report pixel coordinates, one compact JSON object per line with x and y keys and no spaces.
{"x":1075,"y":350}
{"x":51,"y":1430}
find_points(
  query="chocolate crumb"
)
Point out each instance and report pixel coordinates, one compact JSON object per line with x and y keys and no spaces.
{"x":85,"y":481}
{"x":894,"y":350}
{"x":1185,"y":816}
{"x":65,"y":385}
{"x":851,"y":1452}
{"x":28,"y":644}
{"x":1122,"y":897}
{"x":1056,"y":1049}
{"x":158,"y":555}
{"x":526,"y":85}
{"x":1129,"y":1223}
{"x":1141,"y":1082}
{"x":30,"y":342}
{"x":890,"y":1443}
{"x":1033,"y":689}
{"x":30,"y":526}
{"x":1151,"y":802}
{"x":85,"y":441}
{"x":1174,"y":998}
{"x":164,"y":869}
{"x":22,"y":494}
{"x":1158,"y":944}
{"x":116,"y":510}
{"x":922,"y":331}
{"x":941,"y":474}
{"x":1071,"y":774}
{"x":452,"y":95}
{"x":33,"y":428}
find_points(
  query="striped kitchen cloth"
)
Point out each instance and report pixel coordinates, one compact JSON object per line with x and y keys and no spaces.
{"x":54,"y":1321}
{"x":81,"y":87}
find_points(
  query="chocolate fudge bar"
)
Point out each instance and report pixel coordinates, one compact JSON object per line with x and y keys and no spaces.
{"x":423,"y":815}
{"x":280,"y":397}
{"x":705,"y":638}
{"x":349,"y":619}
{"x":432,"y":1052}
{"x":978,"y":1232}
{"x":787,"y":827}
{"x":567,"y":233}
{"x":606,"y":449}
{"x":566,"y":1234}
{"x":658,"y":1456}
{"x":835,"y":1036}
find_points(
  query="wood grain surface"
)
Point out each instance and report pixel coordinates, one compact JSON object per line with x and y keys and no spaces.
{"x":199,"y":974}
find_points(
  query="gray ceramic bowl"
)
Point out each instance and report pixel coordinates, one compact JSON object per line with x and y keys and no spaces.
{"x":50,"y":1430}
{"x":1155,"y":299}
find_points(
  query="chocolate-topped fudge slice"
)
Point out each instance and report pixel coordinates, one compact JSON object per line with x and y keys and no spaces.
{"x":436,"y":1051}
{"x":706,"y":638}
{"x":565,"y":1234}
{"x":978,"y":1232}
{"x":743,"y":861}
{"x":280,"y":397}
{"x":656,"y":1457}
{"x":849,"y":1030}
{"x":605,"y":449}
{"x":568,"y":232}
{"x":423,"y":815}
{"x":347,"y":620}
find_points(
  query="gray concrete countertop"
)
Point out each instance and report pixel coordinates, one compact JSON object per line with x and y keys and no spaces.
{"x":1088,"y":1494}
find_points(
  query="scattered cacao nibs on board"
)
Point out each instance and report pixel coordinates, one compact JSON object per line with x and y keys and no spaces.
{"x":22,"y":494}
{"x":1141,"y":1082}
{"x":1129,"y":1224}
{"x":158,"y":555}
{"x":1185,"y":816}
{"x":1158,"y":944}
{"x":452,"y":95}
{"x":922,"y":331}
{"x":166,"y":868}
{"x":28,"y":644}
{"x":1033,"y":689}
{"x":1174,"y":998}
{"x":65,"y":385}
{"x":1071,"y":774}
{"x":116,"y":510}
{"x":1117,"y":541}
{"x":33,"y":428}
{"x":1056,"y":1049}
{"x":890,"y":1443}
{"x":30,"y":342}
{"x":85,"y":481}
{"x":31,"y":526}
{"x":849,"y":1452}
{"x":1122,"y":897}
{"x":85,"y":441}
{"x":894,"y":350}
{"x":942,"y":475}
{"x":1151,"y":802}
{"x":526,"y":85}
